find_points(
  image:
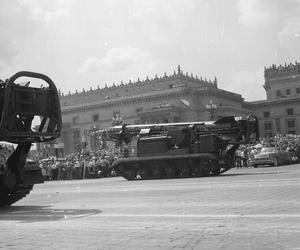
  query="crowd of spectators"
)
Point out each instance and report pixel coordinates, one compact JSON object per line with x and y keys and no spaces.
{"x":81,"y":165}
{"x":290,"y":143}
{"x":87,"y":164}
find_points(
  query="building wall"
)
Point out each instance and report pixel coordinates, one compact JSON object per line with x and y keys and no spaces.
{"x":179,"y":97}
{"x":278,"y":113}
{"x":161,"y":99}
{"x":282,"y":81}
{"x":274,"y":118}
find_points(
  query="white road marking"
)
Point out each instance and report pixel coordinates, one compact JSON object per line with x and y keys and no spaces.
{"x":139,"y":186}
{"x":203,"y":215}
{"x":296,"y":216}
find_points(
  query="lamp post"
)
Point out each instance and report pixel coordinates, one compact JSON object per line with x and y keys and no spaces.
{"x":211,"y":108}
{"x":117,"y":119}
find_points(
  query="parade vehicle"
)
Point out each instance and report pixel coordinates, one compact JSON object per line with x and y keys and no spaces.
{"x":172,"y":150}
{"x":271,"y":156}
{"x":30,"y":113}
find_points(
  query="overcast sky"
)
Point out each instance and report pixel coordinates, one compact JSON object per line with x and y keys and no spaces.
{"x":83,"y":44}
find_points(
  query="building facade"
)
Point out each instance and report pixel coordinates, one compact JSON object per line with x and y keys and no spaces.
{"x":176,"y":98}
{"x":280,"y":112}
{"x":169,"y":98}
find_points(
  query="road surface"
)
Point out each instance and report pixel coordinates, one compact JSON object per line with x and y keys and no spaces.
{"x":241,"y":209}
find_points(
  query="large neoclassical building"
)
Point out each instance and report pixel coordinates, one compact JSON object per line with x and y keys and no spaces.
{"x":179,"y":97}
{"x":280,"y":112}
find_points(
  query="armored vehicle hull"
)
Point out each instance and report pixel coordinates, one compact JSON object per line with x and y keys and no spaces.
{"x":28,"y":115}
{"x":177,"y":150}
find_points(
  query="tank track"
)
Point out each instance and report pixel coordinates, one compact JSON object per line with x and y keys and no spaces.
{"x":170,"y":171}
{"x":9,"y":197}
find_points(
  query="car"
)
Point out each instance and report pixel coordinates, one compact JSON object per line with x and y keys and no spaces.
{"x":272,"y":156}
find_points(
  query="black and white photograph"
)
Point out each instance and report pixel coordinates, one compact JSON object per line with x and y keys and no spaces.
{"x":150,"y":124}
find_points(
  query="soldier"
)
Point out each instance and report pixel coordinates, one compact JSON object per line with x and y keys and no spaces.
{"x":69,"y":170}
{"x":59,"y":173}
{"x":297,"y":151}
{"x":77,"y":168}
{"x":85,"y":169}
{"x":54,"y":169}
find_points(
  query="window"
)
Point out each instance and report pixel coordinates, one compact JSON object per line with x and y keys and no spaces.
{"x":288,"y":91}
{"x":268,"y":125}
{"x":278,"y":93}
{"x":76,"y":134}
{"x":291,"y":125}
{"x":266,"y":114}
{"x":76,"y":139}
{"x":298,"y":90}
{"x":95,"y":118}
{"x":278,"y":125}
{"x":75,"y":120}
{"x":290,"y":111}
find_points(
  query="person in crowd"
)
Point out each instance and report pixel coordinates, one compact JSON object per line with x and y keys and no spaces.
{"x":69,"y":168}
{"x":78,"y":171}
{"x":87,"y":164}
{"x":54,"y":169}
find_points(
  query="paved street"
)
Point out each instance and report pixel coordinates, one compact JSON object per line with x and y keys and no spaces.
{"x":242,"y":209}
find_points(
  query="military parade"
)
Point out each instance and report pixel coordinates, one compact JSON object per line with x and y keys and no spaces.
{"x":98,"y":164}
{"x":150,"y":124}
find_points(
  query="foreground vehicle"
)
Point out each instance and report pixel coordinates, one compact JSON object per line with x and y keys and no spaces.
{"x":271,"y":156}
{"x":173,"y":150}
{"x":23,"y":107}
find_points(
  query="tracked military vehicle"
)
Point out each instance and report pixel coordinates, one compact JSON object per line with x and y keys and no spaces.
{"x":29,"y":114}
{"x":172,"y":150}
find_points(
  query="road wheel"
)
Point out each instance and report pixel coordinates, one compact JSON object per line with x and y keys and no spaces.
{"x":216,"y":171}
{"x":170,"y":172}
{"x":157,"y":172}
{"x":214,"y":166}
{"x":184,"y":171}
{"x":205,"y":169}
{"x":129,"y":174}
{"x":197,"y":172}
{"x":255,"y":166}
{"x":144,"y":173}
